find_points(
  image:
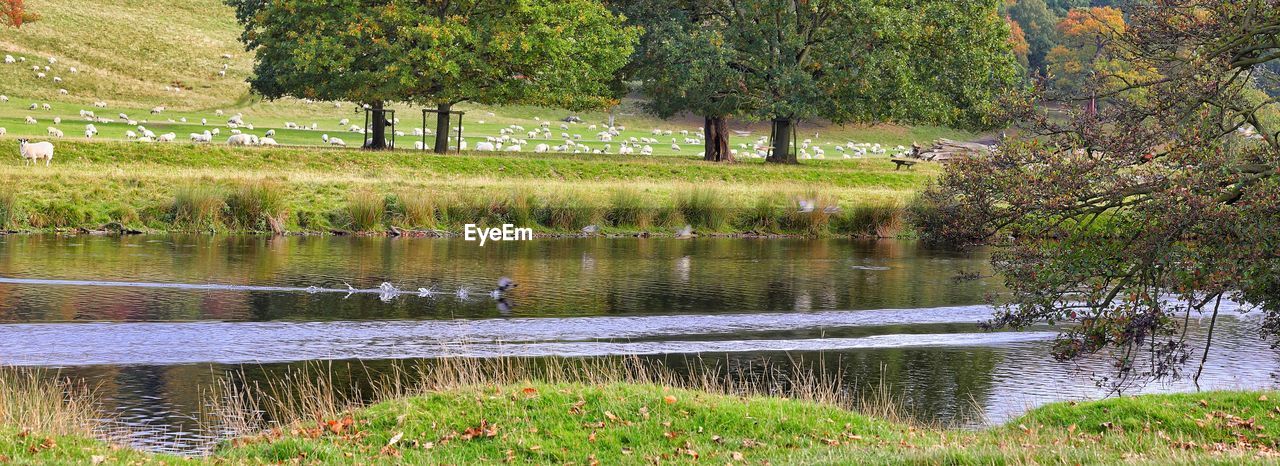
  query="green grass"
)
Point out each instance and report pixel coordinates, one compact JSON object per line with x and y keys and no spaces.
{"x":182,"y":187}
{"x":626,"y":423}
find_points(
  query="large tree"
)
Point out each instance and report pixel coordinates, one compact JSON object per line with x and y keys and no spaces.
{"x":844,"y":61}
{"x":556,"y":53}
{"x":1128,"y":225}
{"x":686,"y":69}
{"x":439,"y":52}
{"x":1089,"y":60}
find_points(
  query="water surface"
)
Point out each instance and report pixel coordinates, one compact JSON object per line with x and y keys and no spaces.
{"x":154,"y":321}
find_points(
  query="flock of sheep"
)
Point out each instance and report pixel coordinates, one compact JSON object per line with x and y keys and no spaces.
{"x":513,"y":138}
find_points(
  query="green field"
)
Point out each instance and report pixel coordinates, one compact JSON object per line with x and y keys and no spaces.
{"x":132,"y":54}
{"x":217,"y":188}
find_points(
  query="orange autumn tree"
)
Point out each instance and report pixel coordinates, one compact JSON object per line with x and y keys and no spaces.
{"x":1018,"y":42}
{"x":1087,"y":56}
{"x":14,"y":13}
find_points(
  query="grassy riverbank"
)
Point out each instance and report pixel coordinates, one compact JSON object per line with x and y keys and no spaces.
{"x":468,"y":412}
{"x":180,"y":187}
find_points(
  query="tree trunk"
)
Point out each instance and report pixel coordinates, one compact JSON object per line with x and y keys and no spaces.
{"x":782,"y":128}
{"x":716,"y":142}
{"x":378,"y":130}
{"x":442,"y":129}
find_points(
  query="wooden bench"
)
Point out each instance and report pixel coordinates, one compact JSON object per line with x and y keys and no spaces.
{"x":899,"y":163}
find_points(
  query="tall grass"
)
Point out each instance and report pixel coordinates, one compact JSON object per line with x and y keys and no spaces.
{"x":811,"y":213}
{"x":8,"y":208}
{"x":703,"y":207}
{"x":365,"y":211}
{"x":257,"y":206}
{"x":627,"y":208}
{"x":314,"y":392}
{"x":197,"y":206}
{"x":40,"y":402}
{"x":416,"y":209}
{"x":873,"y":221}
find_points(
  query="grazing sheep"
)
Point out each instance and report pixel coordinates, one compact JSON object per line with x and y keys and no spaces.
{"x":4,"y":98}
{"x":485,"y":146}
{"x":46,"y":107}
{"x":73,"y":70}
{"x":167,"y":137}
{"x":31,"y":121}
{"x":100,"y":104}
{"x":270,"y":133}
{"x":52,"y":60}
{"x":88,"y":133}
{"x":130,"y":135}
{"x":9,"y":59}
{"x":146,"y":140}
{"x":3,"y":131}
{"x":40,"y":75}
{"x":238,"y":140}
{"x":33,"y":106}
{"x":34,"y":152}
{"x":226,"y":56}
{"x":267,"y":141}
{"x":146,"y":133}
{"x":57,"y":79}
{"x":201,"y":137}
{"x":217,"y":131}
{"x":57,"y":120}
{"x":333,"y":141}
{"x":157,"y":110}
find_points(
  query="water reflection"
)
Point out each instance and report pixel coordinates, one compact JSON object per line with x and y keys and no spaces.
{"x":868,"y":313}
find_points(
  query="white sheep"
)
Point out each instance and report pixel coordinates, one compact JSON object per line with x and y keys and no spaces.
{"x":46,"y":107}
{"x":9,"y":59}
{"x":73,"y":70}
{"x":31,"y":121}
{"x":57,"y":120}
{"x":4,"y":98}
{"x":238,"y":140}
{"x":485,"y":146}
{"x":100,"y":104}
{"x":167,"y":137}
{"x":267,"y":141}
{"x":130,"y":135}
{"x":202,"y":137}
{"x":157,"y":110}
{"x":3,"y":131}
{"x":34,"y":152}
{"x":146,"y":140}
{"x":270,"y":133}
{"x":57,"y":79}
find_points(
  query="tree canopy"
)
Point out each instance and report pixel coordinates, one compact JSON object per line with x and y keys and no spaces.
{"x":940,"y":62}
{"x":1128,"y":225}
{"x":559,"y":53}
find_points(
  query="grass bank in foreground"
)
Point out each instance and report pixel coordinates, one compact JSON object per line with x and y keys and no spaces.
{"x":182,"y":187}
{"x":597,"y":413}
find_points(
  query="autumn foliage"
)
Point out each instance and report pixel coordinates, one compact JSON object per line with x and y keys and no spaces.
{"x":14,"y":13}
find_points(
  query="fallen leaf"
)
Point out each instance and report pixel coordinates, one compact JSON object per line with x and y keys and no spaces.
{"x":395,"y":438}
{"x":529,"y":392}
{"x":1262,"y":398}
{"x":97,"y":459}
{"x":1204,"y":403}
{"x":669,"y":434}
{"x":737,"y":456}
{"x":717,"y":439}
{"x":610,"y":416}
{"x":669,"y":399}
{"x":626,"y":451}
{"x":592,"y":437}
